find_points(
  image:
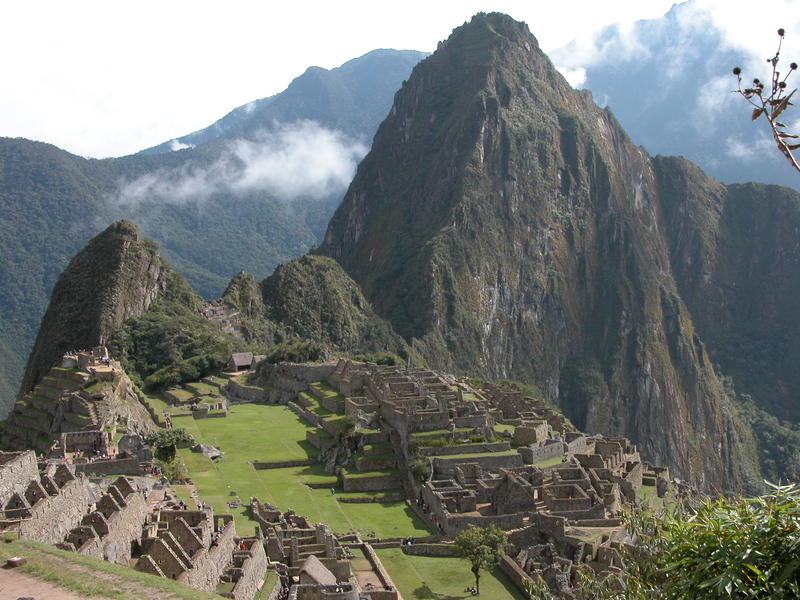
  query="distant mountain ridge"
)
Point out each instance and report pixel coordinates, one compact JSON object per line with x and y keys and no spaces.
{"x":349,"y":98}
{"x":669,"y":82}
{"x":52,"y":202}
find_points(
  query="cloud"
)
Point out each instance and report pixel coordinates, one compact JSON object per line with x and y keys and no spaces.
{"x":300,"y":160}
{"x":176,"y":145}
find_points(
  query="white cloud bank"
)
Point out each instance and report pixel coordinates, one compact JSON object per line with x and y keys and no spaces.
{"x":301,"y":160}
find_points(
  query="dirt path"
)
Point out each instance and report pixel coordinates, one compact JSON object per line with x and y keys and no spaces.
{"x":15,"y":585}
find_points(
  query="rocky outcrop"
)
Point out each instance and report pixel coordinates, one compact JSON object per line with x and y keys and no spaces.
{"x":506,"y":226}
{"x":118,"y":274}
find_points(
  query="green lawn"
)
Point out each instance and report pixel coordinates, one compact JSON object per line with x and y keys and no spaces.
{"x":181,"y":394}
{"x":202,"y":389}
{"x":423,"y":578}
{"x":326,"y":389}
{"x":480,"y":454}
{"x":260,"y":432}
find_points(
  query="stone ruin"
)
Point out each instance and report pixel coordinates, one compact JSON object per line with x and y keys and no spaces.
{"x":86,"y":395}
{"x":312,"y":563}
{"x":125,"y":523}
{"x":558,"y":492}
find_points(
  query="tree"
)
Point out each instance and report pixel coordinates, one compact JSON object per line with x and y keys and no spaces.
{"x":164,"y":443}
{"x":479,"y":545}
{"x":772,"y":101}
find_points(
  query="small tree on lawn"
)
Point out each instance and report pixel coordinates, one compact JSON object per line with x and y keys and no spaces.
{"x":165,"y":442}
{"x":480,"y":546}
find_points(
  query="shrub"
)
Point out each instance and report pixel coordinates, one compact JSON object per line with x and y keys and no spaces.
{"x":420,"y":469}
{"x":297,"y":351}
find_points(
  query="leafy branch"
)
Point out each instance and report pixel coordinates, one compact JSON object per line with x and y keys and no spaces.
{"x":772,"y":101}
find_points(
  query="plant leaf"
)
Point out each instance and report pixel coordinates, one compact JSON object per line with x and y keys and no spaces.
{"x":757,"y":113}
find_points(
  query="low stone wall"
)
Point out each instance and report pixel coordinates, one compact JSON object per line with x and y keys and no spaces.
{"x":199,"y":414}
{"x":371,"y":483}
{"x":513,"y":571}
{"x":599,"y":523}
{"x":389,"y":591}
{"x":393,"y":497}
{"x":120,"y":466}
{"x":444,"y":467}
{"x":320,"y":439}
{"x":259,"y":465}
{"x":238,"y":393}
{"x":546,"y":452}
{"x":456,"y":523}
{"x":307,"y":415}
{"x":464,"y":448}
{"x":430,"y":549}
{"x":471,"y":421}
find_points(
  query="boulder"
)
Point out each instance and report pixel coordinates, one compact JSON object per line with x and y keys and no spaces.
{"x":207,"y":450}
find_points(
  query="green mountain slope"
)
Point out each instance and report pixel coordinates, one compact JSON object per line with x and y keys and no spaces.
{"x":52,"y":202}
{"x":505,"y":225}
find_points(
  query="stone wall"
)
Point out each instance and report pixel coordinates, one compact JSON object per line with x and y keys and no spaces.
{"x":54,"y":517}
{"x":238,"y":393}
{"x":210,"y":563}
{"x":546,"y":452}
{"x":514,"y":572}
{"x":17,"y":470}
{"x":259,"y":465}
{"x":371,"y":483}
{"x":430,"y":549}
{"x":456,"y":523}
{"x":124,"y":527}
{"x":389,"y":591}
{"x":307,"y":415}
{"x":444,"y":467}
{"x":252,"y":573}
{"x":120,"y":466}
{"x":464,"y":448}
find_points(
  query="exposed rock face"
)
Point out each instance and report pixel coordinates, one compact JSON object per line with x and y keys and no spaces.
{"x":735,"y":255}
{"x":118,"y":274}
{"x":506,"y":225}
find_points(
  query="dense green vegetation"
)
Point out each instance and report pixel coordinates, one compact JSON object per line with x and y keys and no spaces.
{"x":721,"y":548}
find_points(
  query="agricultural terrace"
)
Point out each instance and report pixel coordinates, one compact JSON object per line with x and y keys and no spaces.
{"x":274,"y":433}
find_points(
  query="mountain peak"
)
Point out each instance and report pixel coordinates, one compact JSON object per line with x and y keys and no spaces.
{"x":117,"y":274}
{"x":506,"y":226}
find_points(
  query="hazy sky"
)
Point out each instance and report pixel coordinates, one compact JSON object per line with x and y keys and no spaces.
{"x":110,"y":77}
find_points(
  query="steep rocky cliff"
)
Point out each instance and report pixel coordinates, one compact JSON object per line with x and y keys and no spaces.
{"x":506,"y":225}
{"x":117,"y":275}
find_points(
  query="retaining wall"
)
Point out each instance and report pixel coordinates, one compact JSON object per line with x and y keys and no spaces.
{"x":430,"y":549}
{"x":120,"y":466}
{"x":17,"y":470}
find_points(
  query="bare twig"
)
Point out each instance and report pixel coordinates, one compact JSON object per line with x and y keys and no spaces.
{"x":772,"y":101}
